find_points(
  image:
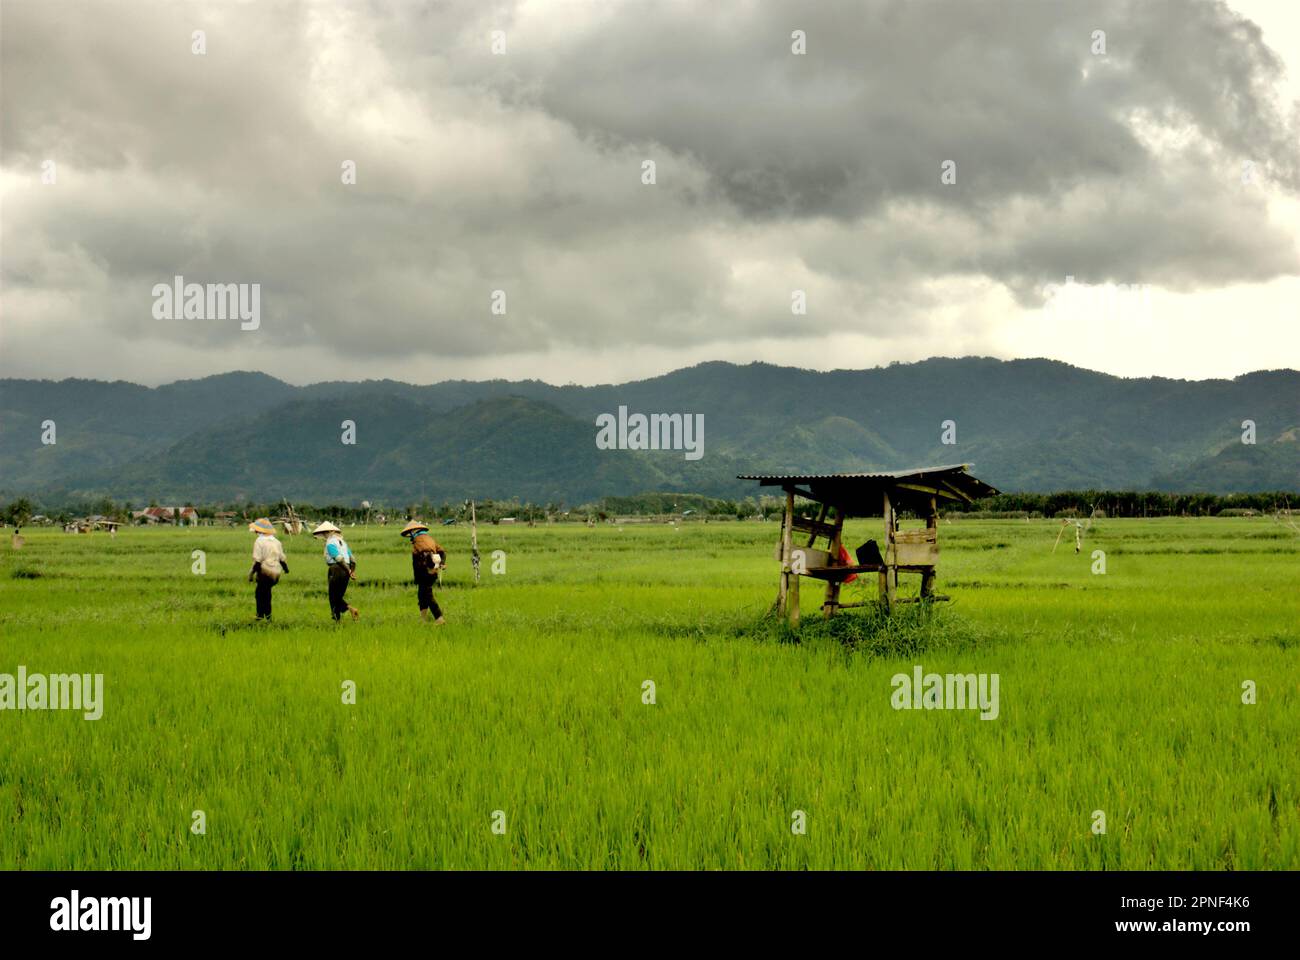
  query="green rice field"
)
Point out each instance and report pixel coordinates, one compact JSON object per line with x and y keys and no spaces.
{"x":518,"y":736}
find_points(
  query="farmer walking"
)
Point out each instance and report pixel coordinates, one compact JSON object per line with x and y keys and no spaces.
{"x":340,"y":569}
{"x":269,"y":562}
{"x":427,"y":558}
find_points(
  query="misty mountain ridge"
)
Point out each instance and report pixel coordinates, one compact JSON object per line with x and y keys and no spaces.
{"x":1026,"y":425}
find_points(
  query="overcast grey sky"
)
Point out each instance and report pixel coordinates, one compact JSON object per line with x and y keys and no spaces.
{"x":1162,"y":175}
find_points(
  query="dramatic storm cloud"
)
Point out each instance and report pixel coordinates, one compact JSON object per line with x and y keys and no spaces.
{"x":1123,"y":187}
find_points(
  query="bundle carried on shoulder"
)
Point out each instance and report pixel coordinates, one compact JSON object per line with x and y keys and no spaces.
{"x":429,"y":553}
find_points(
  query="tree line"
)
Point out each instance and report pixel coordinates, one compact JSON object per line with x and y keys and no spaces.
{"x":1110,"y":503}
{"x":1132,"y":503}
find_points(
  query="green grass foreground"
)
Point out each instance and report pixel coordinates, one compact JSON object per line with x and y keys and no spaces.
{"x":1119,"y":692}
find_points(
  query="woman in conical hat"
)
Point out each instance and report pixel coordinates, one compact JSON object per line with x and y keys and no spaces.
{"x":340,"y":569}
{"x":427,"y":558}
{"x":269,"y":562}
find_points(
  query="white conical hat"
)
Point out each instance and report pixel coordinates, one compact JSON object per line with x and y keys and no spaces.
{"x":325,"y":527}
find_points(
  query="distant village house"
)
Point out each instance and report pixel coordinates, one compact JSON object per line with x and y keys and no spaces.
{"x":181,"y":516}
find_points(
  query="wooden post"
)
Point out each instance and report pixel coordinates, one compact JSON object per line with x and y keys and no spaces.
{"x":893,"y":546}
{"x":889,"y":575}
{"x":821,"y":517}
{"x":832,"y":600}
{"x":787,"y":522}
{"x":931,"y":525}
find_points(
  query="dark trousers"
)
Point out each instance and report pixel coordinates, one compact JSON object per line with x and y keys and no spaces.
{"x":263,"y":596}
{"x":338,"y":584}
{"x":424,"y":594}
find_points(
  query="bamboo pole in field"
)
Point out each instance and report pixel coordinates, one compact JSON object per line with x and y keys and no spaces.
{"x":473,"y":541}
{"x":794,"y":599}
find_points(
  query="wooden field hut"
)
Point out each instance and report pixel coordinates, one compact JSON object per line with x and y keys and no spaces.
{"x":885,"y":494}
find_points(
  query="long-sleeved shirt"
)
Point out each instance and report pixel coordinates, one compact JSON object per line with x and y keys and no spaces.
{"x":337,"y":550}
{"x":269,"y":552}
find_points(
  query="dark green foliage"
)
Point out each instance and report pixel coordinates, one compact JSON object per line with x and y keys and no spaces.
{"x":1024,"y":424}
{"x":913,"y":629}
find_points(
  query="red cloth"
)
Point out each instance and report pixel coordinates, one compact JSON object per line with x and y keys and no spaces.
{"x":844,"y":559}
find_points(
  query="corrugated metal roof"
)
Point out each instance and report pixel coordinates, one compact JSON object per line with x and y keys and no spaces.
{"x":857,"y":493}
{"x":877,"y":475}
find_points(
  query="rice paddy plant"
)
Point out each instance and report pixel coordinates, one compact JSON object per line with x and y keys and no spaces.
{"x":616,"y":699}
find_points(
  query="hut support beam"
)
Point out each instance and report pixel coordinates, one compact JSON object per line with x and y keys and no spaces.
{"x":932,"y":527}
{"x":832,"y":601}
{"x":787,"y":526}
{"x":889,"y":575}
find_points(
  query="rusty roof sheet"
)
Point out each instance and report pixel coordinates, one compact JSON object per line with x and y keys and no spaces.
{"x":859,"y":493}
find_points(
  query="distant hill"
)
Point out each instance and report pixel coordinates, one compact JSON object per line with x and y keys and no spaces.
{"x":1027,"y":425}
{"x":1268,"y":465}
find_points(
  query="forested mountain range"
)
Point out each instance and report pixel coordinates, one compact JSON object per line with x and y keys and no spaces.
{"x":1026,"y":425}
